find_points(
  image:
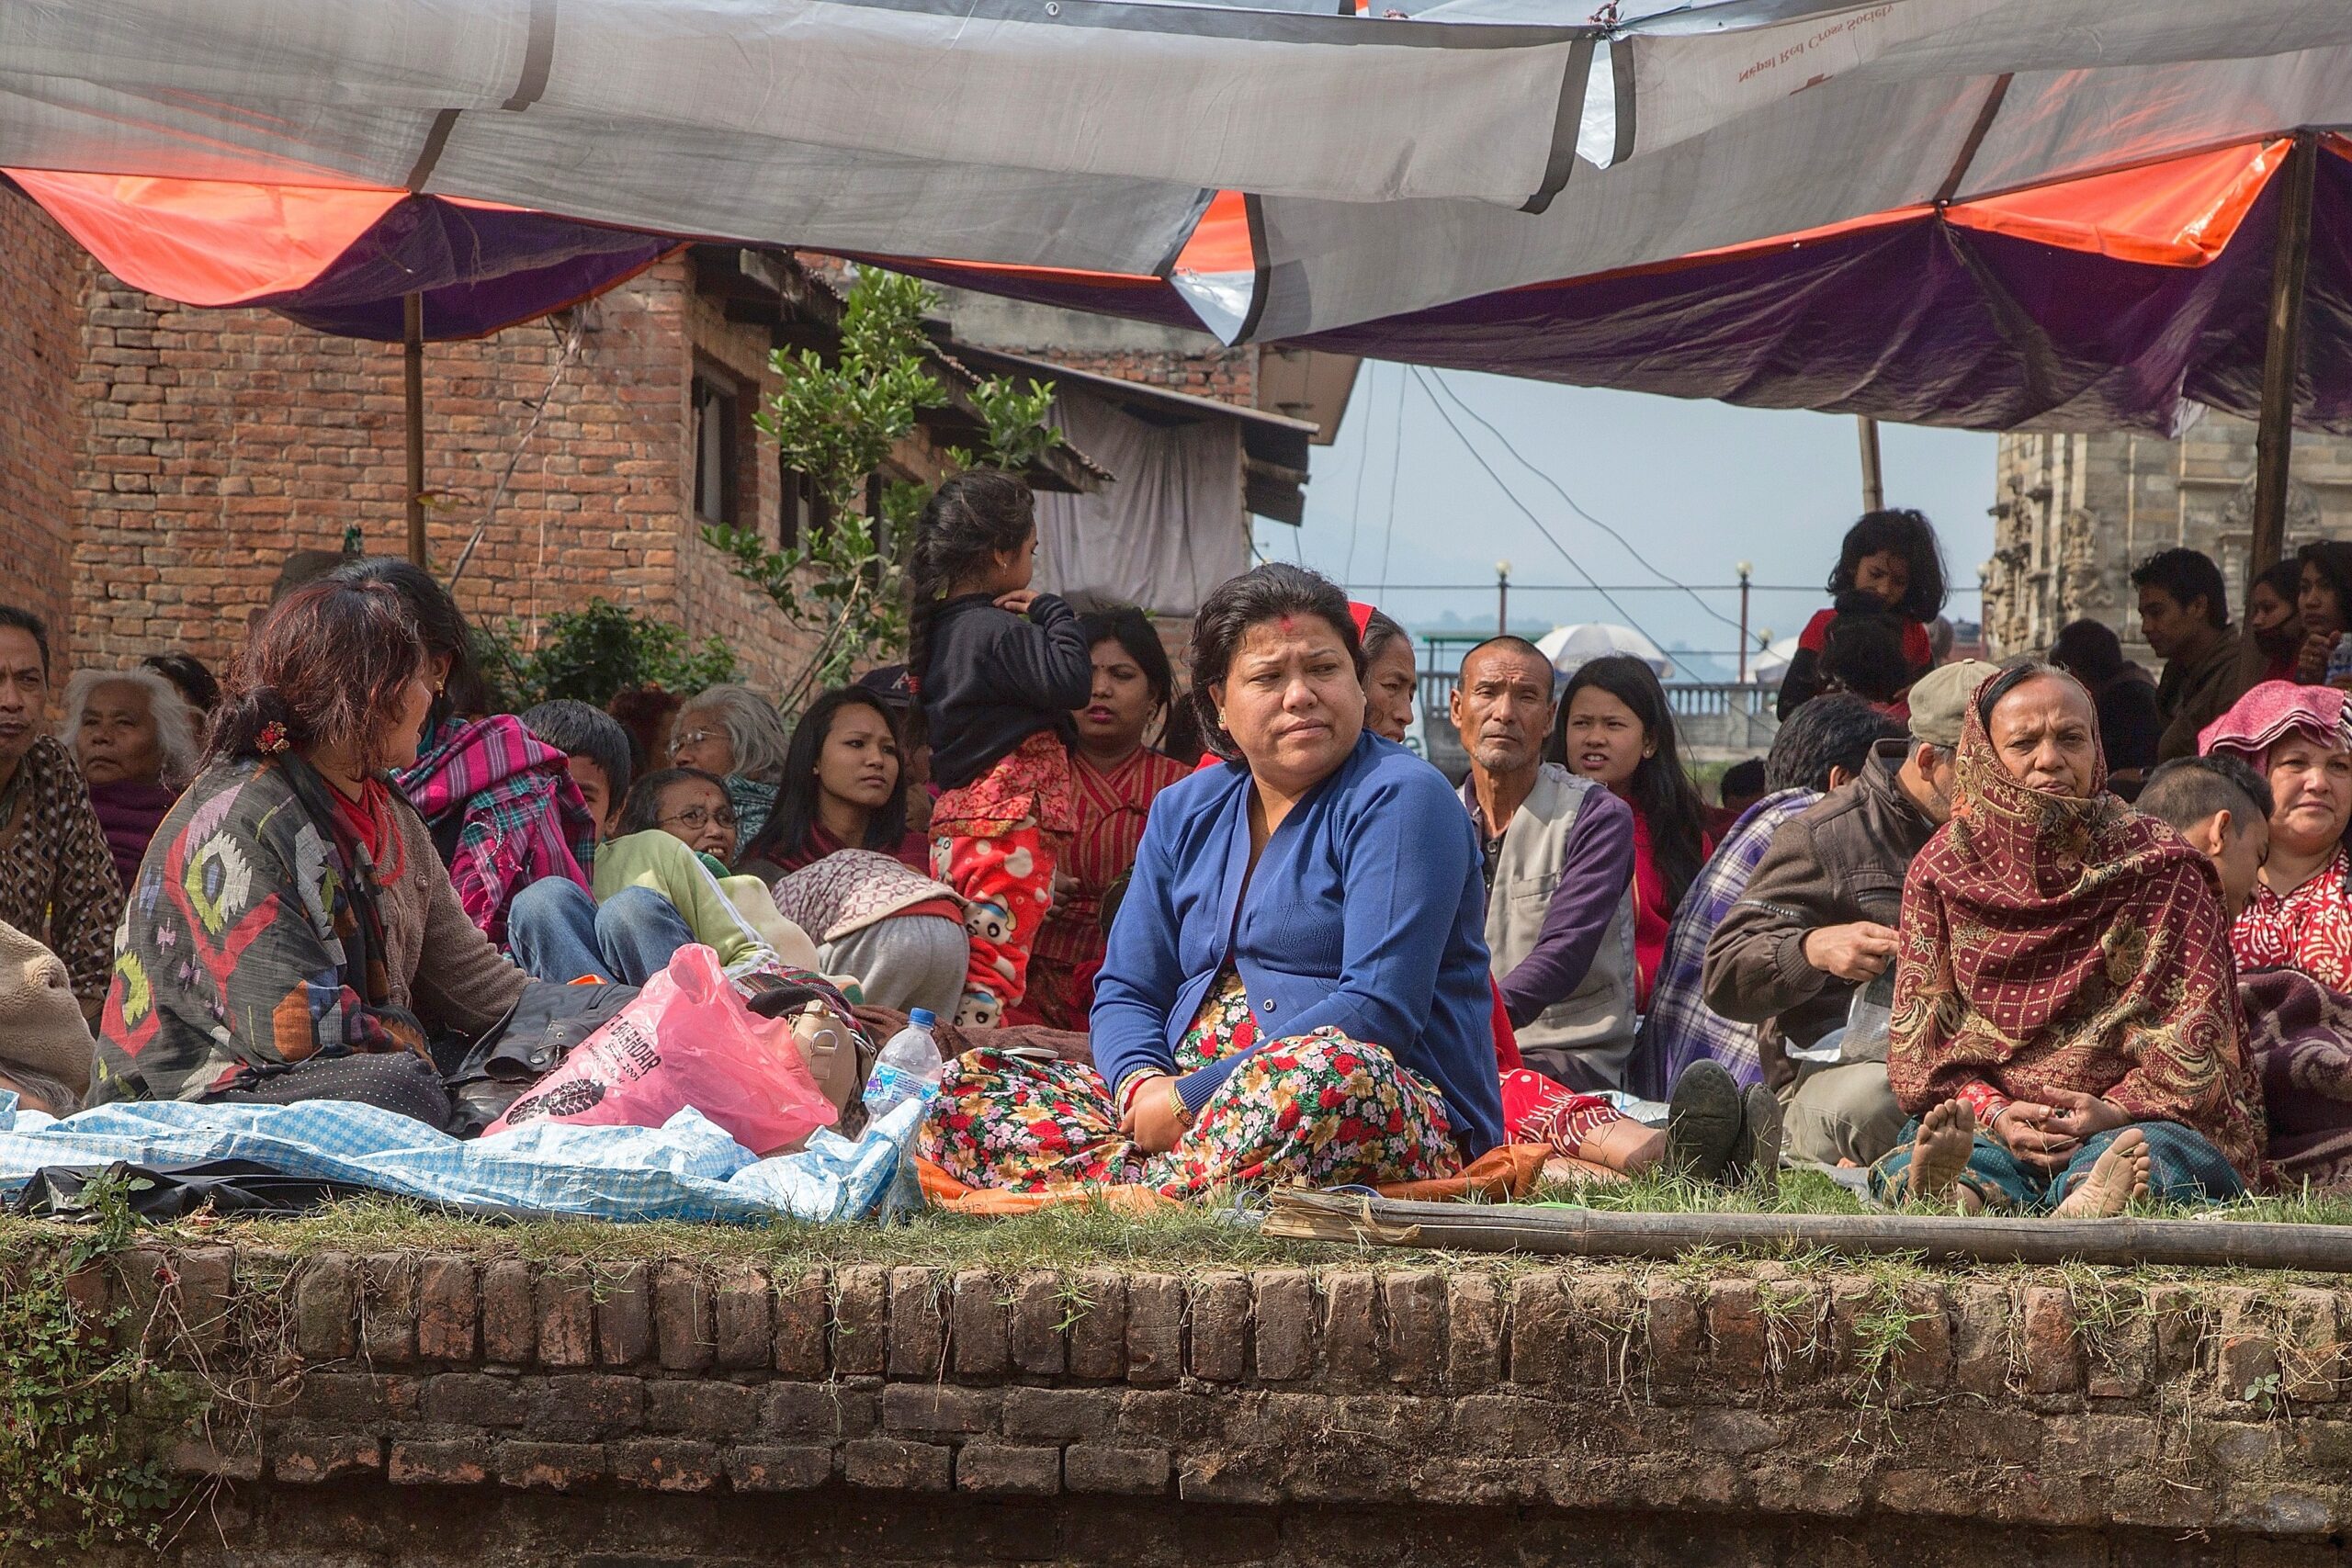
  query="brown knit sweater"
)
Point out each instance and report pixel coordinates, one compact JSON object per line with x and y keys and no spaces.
{"x":443,"y":968}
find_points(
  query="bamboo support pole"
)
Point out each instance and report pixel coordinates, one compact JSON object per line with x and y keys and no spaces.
{"x":1873,"y":479}
{"x":413,"y":388}
{"x":1596,"y":1233}
{"x":2274,"y":441}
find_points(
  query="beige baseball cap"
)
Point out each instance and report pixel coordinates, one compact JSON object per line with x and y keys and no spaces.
{"x":1940,"y":699}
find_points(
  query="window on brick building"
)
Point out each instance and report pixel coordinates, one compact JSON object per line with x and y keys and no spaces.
{"x":801,"y":511}
{"x":719,"y":447}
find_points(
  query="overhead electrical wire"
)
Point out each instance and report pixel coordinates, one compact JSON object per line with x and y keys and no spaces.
{"x":1477,"y":456}
{"x":1664,"y":576}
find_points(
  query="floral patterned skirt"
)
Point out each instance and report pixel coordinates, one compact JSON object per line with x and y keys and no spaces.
{"x":1316,"y":1110}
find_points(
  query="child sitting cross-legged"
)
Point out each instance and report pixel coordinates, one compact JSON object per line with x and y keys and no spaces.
{"x":661,"y":882}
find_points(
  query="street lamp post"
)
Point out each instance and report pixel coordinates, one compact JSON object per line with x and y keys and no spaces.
{"x":1502,"y":598}
{"x":1744,"y":570}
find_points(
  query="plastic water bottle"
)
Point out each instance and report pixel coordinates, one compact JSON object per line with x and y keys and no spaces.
{"x":909,"y":1066}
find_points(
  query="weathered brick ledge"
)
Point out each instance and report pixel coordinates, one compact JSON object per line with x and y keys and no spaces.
{"x":1767,"y":1393}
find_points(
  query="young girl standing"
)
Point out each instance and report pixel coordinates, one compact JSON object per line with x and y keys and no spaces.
{"x":997,"y":668}
{"x":1891,"y":556}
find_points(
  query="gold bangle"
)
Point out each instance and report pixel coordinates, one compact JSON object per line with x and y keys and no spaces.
{"x":1176,"y":1102}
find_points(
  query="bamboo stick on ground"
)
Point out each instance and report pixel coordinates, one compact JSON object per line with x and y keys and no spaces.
{"x":1594,"y":1233}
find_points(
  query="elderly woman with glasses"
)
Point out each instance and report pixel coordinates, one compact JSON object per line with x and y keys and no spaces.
{"x":737,"y":735}
{"x":662,"y":882}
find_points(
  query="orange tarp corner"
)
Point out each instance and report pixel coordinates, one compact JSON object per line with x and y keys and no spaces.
{"x":209,"y":243}
{"x":2177,"y":213}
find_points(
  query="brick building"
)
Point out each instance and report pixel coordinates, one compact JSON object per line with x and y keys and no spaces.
{"x":586,"y":450}
{"x":157,"y":462}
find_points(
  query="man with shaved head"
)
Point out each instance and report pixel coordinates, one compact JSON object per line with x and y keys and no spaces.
{"x":1559,"y":864}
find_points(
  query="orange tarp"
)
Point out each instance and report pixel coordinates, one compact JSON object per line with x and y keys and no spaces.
{"x":1498,"y":1174}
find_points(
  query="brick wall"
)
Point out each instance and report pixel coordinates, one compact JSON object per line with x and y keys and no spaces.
{"x":1848,"y":1405}
{"x":1230,"y":376}
{"x":42,"y":275}
{"x":222,"y":440}
{"x":219,"y":441}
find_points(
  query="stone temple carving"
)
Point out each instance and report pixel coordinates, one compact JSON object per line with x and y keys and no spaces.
{"x":2074,"y":513}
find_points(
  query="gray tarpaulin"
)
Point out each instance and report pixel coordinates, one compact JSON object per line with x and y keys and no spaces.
{"x":1169,"y":529}
{"x":1397,"y":164}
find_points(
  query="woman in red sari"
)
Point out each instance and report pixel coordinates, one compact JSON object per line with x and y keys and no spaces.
{"x":1115,"y":775}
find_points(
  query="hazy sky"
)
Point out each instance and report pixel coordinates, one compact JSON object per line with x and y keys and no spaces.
{"x":1696,"y":487}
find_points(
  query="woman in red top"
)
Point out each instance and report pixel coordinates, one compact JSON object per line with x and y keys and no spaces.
{"x":1115,"y":776}
{"x":1894,"y":555}
{"x":1615,"y":728}
{"x":2274,"y":619}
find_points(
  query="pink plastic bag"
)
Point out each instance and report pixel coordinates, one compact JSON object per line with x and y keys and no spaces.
{"x":686,"y":1039}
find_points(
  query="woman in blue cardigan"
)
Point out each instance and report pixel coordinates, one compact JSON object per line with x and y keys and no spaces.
{"x":1296,"y":984}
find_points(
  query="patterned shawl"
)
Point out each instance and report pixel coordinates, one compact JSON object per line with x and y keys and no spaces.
{"x":58,"y":883}
{"x":503,"y":812}
{"x":2300,"y":1041}
{"x":851,"y":889}
{"x":2056,"y":942}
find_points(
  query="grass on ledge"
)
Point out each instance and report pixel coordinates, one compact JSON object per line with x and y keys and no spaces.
{"x":1179,"y":1239}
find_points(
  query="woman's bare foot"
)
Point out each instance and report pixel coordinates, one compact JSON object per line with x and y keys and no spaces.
{"x":1568,"y":1170}
{"x":1939,"y":1151}
{"x":2118,"y":1175}
{"x":1625,"y":1145}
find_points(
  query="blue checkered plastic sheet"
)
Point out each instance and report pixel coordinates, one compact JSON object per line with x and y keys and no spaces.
{"x":685,"y":1170}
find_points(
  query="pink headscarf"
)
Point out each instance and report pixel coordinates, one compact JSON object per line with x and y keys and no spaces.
{"x":2274,"y":710}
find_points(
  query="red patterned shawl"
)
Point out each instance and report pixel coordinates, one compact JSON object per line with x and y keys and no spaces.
{"x":2052,"y":942}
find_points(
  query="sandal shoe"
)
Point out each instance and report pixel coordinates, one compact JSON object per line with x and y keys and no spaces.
{"x":1702,"y":1122}
{"x":1756,"y":1151}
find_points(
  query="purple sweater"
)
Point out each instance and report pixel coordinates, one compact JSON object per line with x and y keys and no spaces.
{"x":1597,"y":869}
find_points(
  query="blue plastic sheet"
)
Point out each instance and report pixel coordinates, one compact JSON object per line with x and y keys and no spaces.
{"x":685,"y":1170}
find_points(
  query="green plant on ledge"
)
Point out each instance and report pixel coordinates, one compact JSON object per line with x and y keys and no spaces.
{"x":594,"y":653}
{"x":844,"y":582}
{"x":86,"y":1419}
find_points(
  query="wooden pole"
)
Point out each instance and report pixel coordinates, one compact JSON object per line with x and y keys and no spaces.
{"x":412,"y":377}
{"x":1874,"y":486}
{"x":2274,"y":444}
{"x":1599,"y":1233}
